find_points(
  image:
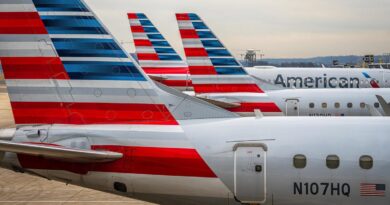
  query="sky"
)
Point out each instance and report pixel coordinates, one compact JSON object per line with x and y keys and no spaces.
{"x":278,"y":28}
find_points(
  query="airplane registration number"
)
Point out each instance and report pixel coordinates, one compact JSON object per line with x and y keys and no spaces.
{"x":323,"y":188}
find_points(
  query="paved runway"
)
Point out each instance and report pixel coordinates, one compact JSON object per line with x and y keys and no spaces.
{"x":16,"y":188}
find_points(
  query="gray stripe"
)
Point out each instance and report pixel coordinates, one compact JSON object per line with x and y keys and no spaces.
{"x":16,"y":2}
{"x":66,"y":94}
{"x":26,"y":45}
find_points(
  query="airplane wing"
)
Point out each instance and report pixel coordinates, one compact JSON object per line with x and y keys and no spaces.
{"x":59,"y":152}
{"x":384,"y":104}
{"x":373,"y":111}
{"x":219,"y":103}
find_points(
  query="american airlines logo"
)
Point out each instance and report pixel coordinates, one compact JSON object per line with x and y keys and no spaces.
{"x":318,"y":82}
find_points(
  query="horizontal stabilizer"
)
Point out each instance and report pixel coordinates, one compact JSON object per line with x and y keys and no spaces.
{"x":220,"y":104}
{"x":59,"y":153}
{"x":384,"y":104}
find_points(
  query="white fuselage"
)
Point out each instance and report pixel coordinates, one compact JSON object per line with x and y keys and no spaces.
{"x":249,"y":159}
{"x":321,"y":77}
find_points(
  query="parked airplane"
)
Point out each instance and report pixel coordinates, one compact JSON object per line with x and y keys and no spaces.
{"x":87,"y":114}
{"x":218,"y":77}
{"x":323,"y":77}
{"x":156,"y":56}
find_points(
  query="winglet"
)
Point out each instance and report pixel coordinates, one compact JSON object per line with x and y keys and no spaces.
{"x":384,"y":104}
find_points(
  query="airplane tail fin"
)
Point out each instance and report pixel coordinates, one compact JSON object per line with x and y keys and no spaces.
{"x":156,"y":56}
{"x":214,"y":70}
{"x":62,"y":66}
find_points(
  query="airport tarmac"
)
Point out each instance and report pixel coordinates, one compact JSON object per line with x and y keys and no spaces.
{"x":17,"y":188}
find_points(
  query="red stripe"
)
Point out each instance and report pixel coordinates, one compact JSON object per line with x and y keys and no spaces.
{"x":33,"y":68}
{"x":21,"y":23}
{"x":147,"y":56}
{"x":136,"y":160}
{"x":374,"y":84}
{"x":188,"y":33}
{"x":132,"y":16}
{"x":138,"y":42}
{"x":137,"y":29}
{"x":226,"y":88}
{"x":177,"y":83}
{"x":165,"y":70}
{"x":195,"y":52}
{"x":90,"y":113}
{"x":202,"y":70}
{"x":250,"y":107}
{"x":182,"y":17}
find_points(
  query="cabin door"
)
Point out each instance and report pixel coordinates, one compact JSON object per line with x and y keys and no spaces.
{"x":250,"y":173}
{"x":292,"y":107}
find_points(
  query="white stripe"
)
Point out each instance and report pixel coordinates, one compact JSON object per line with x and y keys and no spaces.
{"x":98,"y":36}
{"x":172,"y":76}
{"x":219,"y":79}
{"x":144,"y":49}
{"x":238,"y":94}
{"x":142,"y":36}
{"x":185,"y":25}
{"x":79,"y":83}
{"x":27,"y":49}
{"x":134,"y":22}
{"x":192,"y":43}
{"x":159,"y":64}
{"x":199,"y":61}
{"x":17,"y":8}
{"x":64,"y":13}
{"x":100,"y":59}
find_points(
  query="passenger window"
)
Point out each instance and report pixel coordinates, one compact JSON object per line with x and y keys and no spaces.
{"x":311,"y":105}
{"x":337,"y":105}
{"x":300,"y":161}
{"x":324,"y":105}
{"x":332,"y":161}
{"x":349,"y":105}
{"x":362,"y":105}
{"x":366,"y":162}
{"x":376,"y":105}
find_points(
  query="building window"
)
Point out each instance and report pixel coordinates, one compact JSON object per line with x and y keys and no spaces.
{"x":376,"y":105}
{"x":337,"y":105}
{"x":324,"y":105}
{"x":362,"y":105}
{"x":311,"y":105}
{"x":300,"y":161}
{"x":349,"y":105}
{"x":332,"y":161}
{"x":366,"y":162}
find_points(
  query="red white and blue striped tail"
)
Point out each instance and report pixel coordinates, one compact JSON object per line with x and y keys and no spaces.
{"x":63,"y":67}
{"x":156,"y":56}
{"x":214,"y":70}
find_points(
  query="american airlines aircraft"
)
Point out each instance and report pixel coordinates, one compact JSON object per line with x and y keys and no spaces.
{"x":219,"y":78}
{"x":323,"y":77}
{"x":88,"y":115}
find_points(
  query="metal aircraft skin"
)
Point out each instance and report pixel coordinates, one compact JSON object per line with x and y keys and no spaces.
{"x":86,"y":114}
{"x":217,"y":75}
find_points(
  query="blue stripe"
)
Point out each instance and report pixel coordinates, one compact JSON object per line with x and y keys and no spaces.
{"x":366,"y":75}
{"x":218,"y":52}
{"x":199,"y":25}
{"x":95,"y":70}
{"x":205,"y":34}
{"x":72,"y":25}
{"x":212,"y":44}
{"x":155,"y":36}
{"x":230,"y":70}
{"x":146,"y":22}
{"x":75,"y":47}
{"x":160,"y":43}
{"x":165,"y":50}
{"x":223,"y":61}
{"x":141,"y":16}
{"x":193,"y":16}
{"x":150,"y":30}
{"x":169,"y":57}
{"x":59,"y":5}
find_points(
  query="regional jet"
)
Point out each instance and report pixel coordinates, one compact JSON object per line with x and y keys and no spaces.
{"x":219,"y":78}
{"x":88,"y":115}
